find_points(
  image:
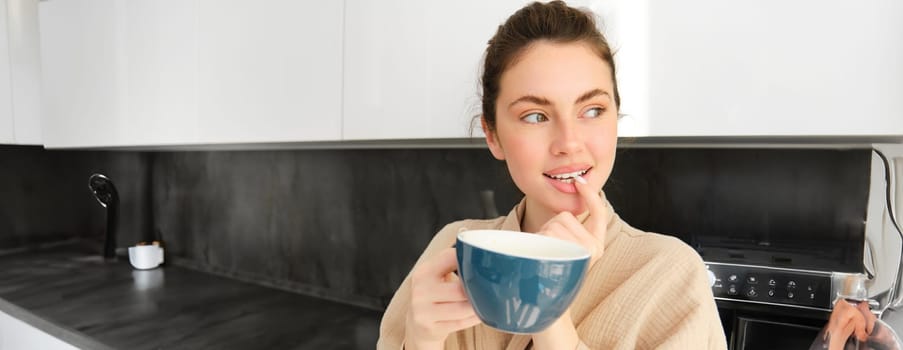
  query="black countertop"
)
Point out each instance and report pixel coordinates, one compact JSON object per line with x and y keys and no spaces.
{"x":97,"y":305}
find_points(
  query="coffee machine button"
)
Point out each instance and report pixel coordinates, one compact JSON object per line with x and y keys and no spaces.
{"x":790,"y":295}
{"x":772,"y":282}
{"x":791,"y":285}
{"x":732,"y":290}
{"x":751,"y":292}
{"x":751,"y":279}
{"x":811,"y":296}
{"x":810,"y":288}
{"x":732,"y":278}
{"x":771,"y":292}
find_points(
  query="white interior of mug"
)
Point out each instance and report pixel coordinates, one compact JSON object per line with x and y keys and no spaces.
{"x":524,"y":245}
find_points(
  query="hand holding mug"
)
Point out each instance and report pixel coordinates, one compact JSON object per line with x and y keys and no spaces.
{"x":439,"y":304}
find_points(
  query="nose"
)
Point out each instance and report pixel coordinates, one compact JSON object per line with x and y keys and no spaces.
{"x":567,"y":138}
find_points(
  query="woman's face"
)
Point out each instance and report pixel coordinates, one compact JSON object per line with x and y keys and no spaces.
{"x":555,"y":118}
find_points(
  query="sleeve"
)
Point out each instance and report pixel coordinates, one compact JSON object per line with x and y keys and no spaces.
{"x":699,"y":325}
{"x":392,"y":326}
{"x":699,"y":330}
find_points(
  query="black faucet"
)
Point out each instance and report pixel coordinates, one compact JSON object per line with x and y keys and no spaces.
{"x":106,"y":194}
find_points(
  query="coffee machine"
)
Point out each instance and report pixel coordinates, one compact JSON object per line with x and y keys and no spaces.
{"x":778,"y":226}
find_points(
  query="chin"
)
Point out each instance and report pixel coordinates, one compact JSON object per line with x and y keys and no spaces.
{"x":575,"y":206}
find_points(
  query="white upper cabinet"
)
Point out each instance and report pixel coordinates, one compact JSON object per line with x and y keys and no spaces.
{"x":775,"y":68}
{"x":7,"y":122}
{"x":25,"y":69}
{"x":150,"y":72}
{"x":82,"y":73}
{"x":168,"y":72}
{"x":411,"y":67}
{"x":270,"y":71}
{"x":160,"y":59}
{"x":118,"y":73}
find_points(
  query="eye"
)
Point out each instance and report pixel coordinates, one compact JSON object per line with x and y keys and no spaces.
{"x":594,"y":112}
{"x":534,"y":118}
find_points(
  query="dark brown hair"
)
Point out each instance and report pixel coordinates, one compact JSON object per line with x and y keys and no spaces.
{"x":556,"y":22}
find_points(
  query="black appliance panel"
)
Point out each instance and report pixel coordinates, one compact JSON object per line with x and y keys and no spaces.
{"x":773,"y":286}
{"x":766,"y":334}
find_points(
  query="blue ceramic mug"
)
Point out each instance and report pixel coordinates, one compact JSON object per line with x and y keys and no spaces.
{"x":519,"y":282}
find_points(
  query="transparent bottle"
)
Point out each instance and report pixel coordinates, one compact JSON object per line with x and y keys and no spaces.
{"x":851,"y":310}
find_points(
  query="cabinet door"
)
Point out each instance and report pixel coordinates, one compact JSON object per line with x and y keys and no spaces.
{"x":7,"y":125}
{"x":776,"y":67}
{"x":160,"y":55}
{"x":270,"y":72}
{"x":25,"y":69}
{"x":15,"y":334}
{"x":118,"y":73}
{"x":411,"y":67}
{"x":83,"y":86}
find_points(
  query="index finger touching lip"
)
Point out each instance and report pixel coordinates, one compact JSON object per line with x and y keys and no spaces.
{"x":598,"y":216}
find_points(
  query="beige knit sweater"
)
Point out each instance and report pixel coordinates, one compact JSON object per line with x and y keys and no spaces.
{"x":647,"y":291}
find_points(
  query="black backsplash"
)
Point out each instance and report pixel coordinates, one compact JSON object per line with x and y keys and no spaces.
{"x":349,"y":224}
{"x":45,"y":196}
{"x":799,"y":208}
{"x":344,"y":224}
{"x":339,"y":224}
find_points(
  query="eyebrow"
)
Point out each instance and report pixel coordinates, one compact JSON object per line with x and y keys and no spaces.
{"x":590,"y":94}
{"x":545,"y":102}
{"x":532,"y":99}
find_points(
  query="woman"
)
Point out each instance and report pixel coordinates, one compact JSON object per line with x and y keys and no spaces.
{"x":550,"y":111}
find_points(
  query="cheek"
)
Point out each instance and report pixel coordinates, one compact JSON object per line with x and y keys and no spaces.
{"x":523,"y":158}
{"x":521,"y":152}
{"x":604,"y":149}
